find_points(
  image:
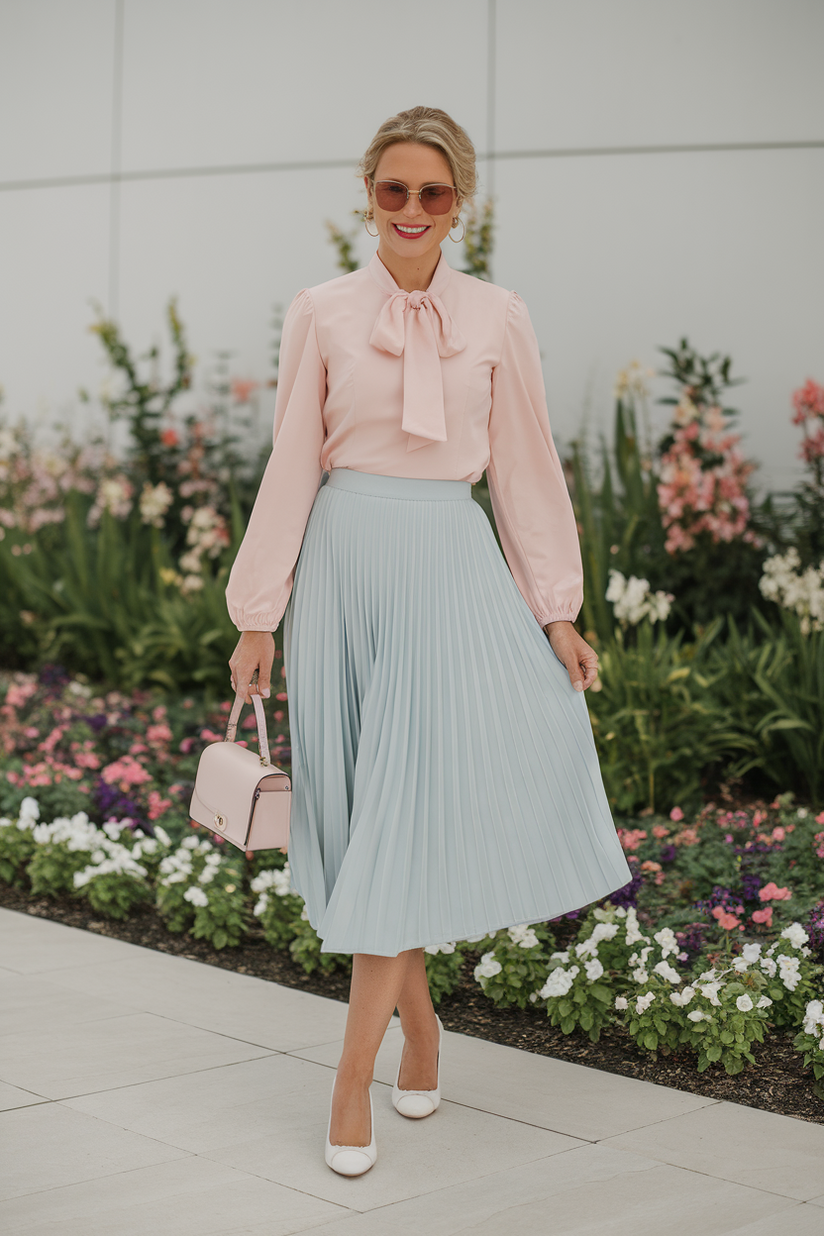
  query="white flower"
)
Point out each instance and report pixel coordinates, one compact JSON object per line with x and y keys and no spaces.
{"x":744,"y":1003}
{"x":802,"y":813}
{"x":666,"y":938}
{"x":196,"y":896}
{"x":768,"y":966}
{"x":803,"y":593}
{"x":796,"y":935}
{"x":764,"y":1002}
{"x":740,"y":964}
{"x":633,"y":600}
{"x":710,"y":992}
{"x":434,"y":949}
{"x":667,"y":971}
{"x":29,"y":810}
{"x":683,"y":996}
{"x":640,"y":975}
{"x":697,"y":1015}
{"x":475,"y":939}
{"x":621,"y":1002}
{"x":524,"y":936}
{"x":488,"y":967}
{"x":594,"y":969}
{"x":562,"y":957}
{"x":643,"y":1002}
{"x":155,"y":501}
{"x":751,"y":952}
{"x":558,"y":984}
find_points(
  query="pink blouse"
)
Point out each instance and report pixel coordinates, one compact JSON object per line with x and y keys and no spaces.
{"x":438,"y":384}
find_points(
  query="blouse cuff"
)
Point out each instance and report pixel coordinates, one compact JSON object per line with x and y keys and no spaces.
{"x":565,"y":616}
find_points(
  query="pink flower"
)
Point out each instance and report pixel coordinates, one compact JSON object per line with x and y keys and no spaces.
{"x":819,"y":819}
{"x":778,"y":833}
{"x":808,"y":402}
{"x":631,"y":838}
{"x":159,"y":733}
{"x":242,"y":389}
{"x":649,"y":865}
{"x":169,"y":437}
{"x":210,"y":736}
{"x":676,"y":814}
{"x":725,"y":920}
{"x":126,"y":772}
{"x":87,"y":759}
{"x":186,"y":745}
{"x":157,"y":805}
{"x":771,"y":892}
{"x":763,"y":916}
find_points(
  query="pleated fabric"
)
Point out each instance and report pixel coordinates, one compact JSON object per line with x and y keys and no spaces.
{"x":445,"y":781}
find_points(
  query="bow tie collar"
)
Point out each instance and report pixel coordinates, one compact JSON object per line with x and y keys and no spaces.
{"x":417,"y":326}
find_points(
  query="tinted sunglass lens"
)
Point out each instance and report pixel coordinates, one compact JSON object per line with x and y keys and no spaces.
{"x":390,"y":196}
{"x":436,"y":199}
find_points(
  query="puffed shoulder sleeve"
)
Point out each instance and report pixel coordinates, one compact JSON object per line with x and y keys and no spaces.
{"x":529,"y":496}
{"x":261,"y":578}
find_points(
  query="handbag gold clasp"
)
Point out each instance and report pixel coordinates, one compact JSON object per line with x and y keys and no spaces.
{"x":220,"y":821}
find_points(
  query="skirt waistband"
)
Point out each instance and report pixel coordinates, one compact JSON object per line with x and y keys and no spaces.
{"x":415,"y":487}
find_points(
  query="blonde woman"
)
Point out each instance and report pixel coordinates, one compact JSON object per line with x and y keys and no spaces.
{"x":445,"y":779}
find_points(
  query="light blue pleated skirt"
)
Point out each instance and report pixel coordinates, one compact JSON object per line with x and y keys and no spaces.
{"x":445,"y":781}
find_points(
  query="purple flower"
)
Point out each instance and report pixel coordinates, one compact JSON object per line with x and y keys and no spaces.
{"x":667,"y":853}
{"x":628,"y":894}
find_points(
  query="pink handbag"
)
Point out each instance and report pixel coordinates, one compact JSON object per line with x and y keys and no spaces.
{"x":239,"y":795}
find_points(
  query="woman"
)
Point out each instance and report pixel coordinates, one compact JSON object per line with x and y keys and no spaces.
{"x":445,"y":780}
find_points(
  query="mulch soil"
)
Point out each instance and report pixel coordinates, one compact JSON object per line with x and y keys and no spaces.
{"x":777,"y":1082}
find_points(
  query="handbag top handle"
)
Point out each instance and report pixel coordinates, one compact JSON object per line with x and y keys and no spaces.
{"x":260,"y":717}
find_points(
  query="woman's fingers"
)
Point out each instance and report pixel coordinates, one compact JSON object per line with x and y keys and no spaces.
{"x":255,"y":653}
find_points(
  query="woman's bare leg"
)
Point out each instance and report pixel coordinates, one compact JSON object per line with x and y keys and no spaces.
{"x":376,"y":986}
{"x":419,"y":1061}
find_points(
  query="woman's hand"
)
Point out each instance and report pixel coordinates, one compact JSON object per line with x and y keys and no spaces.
{"x":255,"y":651}
{"x":574,"y":653}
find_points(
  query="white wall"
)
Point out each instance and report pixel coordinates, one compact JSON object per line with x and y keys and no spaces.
{"x":142,"y":144}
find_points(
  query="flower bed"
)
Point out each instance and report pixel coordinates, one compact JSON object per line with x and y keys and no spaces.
{"x":716,"y":943}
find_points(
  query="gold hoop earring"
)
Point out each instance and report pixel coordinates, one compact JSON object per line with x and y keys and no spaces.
{"x":366,"y":221}
{"x":457,"y":239}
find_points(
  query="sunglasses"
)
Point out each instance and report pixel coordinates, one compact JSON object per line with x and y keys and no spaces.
{"x":434,"y":199}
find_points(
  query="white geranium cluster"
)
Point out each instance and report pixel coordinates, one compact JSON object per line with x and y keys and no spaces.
{"x":27,"y":816}
{"x":487,"y":968}
{"x":207,"y":534}
{"x":114,"y":495}
{"x":155,"y":501}
{"x":434,"y":949}
{"x":813,"y":1022}
{"x":523,"y":936}
{"x":110,"y":858}
{"x":633,"y":600}
{"x":76,"y":833}
{"x":784,"y":582}
{"x":178,"y":868}
{"x":562,"y":976}
{"x":274,"y":881}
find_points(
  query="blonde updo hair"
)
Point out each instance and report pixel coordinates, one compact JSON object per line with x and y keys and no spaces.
{"x":430,"y":127}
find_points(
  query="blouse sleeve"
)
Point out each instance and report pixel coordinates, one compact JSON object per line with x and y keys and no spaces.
{"x":261,"y":578}
{"x":530,"y":501}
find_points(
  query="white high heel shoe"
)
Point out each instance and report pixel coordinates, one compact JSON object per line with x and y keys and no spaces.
{"x":351,"y":1160}
{"x":419,"y":1103}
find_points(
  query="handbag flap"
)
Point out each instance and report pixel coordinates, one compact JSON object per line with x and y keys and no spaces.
{"x":228,"y":773}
